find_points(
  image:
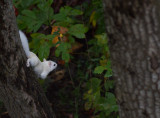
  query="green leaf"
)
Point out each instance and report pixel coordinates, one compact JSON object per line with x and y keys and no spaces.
{"x":29,"y":13}
{"x":50,"y":14}
{"x":63,"y":49}
{"x":57,"y":53}
{"x":65,"y":10}
{"x":78,"y":30}
{"x":71,"y":39}
{"x":41,"y":44}
{"x":108,"y":64}
{"x":29,"y":22}
{"x":59,"y":17}
{"x":102,"y":39}
{"x":76,"y":12}
{"x":95,"y":84}
{"x":108,"y":73}
{"x":36,"y":26}
{"x":44,"y":51}
{"x":33,"y":19}
{"x":49,"y":2}
{"x":99,"y":69}
{"x":110,"y":97}
{"x":37,"y":36}
{"x":65,"y":56}
{"x":109,"y":84}
{"x":26,"y":3}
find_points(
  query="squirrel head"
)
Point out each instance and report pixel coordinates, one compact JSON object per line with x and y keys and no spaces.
{"x":52,"y":65}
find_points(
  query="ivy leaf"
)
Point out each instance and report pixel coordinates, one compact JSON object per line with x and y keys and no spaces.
{"x":99,"y":69}
{"x":108,"y":73}
{"x":109,"y":84}
{"x":109,"y":70}
{"x":110,"y":97}
{"x":78,"y":30}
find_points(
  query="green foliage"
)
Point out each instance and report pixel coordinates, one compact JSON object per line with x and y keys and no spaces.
{"x":99,"y":69}
{"x":109,"y":70}
{"x":78,"y":30}
{"x":66,"y":16}
{"x":32,"y":19}
{"x":63,"y":49}
{"x":94,"y":11}
{"x":41,"y":44}
{"x":34,"y":14}
{"x":100,"y":45}
{"x":106,"y":104}
{"x":98,"y":96}
{"x":93,"y":89}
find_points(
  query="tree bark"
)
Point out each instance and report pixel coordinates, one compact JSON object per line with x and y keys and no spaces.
{"x":134,"y":31}
{"x":19,"y":89}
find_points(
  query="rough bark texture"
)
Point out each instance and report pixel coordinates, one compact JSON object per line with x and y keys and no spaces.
{"x":19,"y":90}
{"x":134,"y":38}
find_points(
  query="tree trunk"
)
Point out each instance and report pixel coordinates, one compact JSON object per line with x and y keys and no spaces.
{"x":134,"y":32}
{"x":19,"y":89}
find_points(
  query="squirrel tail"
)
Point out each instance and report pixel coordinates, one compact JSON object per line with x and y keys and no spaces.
{"x":24,"y":43}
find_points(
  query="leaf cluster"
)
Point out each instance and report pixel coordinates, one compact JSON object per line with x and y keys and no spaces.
{"x":106,"y":104}
{"x":34,"y":13}
{"x":93,"y":73}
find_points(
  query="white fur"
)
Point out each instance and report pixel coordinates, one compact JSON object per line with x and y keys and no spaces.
{"x":24,"y":43}
{"x":42,"y":69}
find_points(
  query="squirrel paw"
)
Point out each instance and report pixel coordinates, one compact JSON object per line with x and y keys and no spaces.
{"x":27,"y":64}
{"x":43,"y":76}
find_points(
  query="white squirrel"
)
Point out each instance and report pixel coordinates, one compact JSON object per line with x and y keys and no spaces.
{"x":42,"y":69}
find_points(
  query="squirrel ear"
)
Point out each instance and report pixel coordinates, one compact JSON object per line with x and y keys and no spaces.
{"x":50,"y":63}
{"x":44,"y":59}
